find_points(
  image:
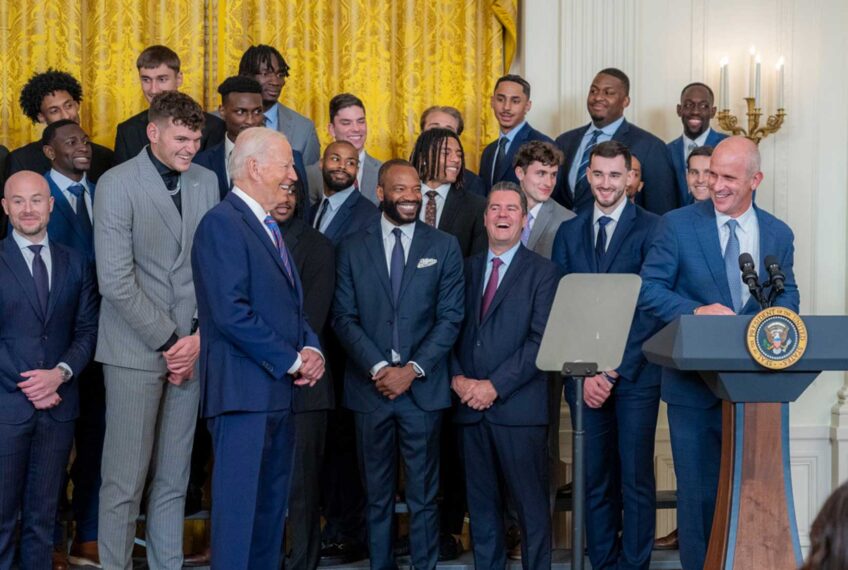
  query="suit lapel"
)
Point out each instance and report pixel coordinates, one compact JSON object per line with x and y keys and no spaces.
{"x":16,"y":263}
{"x":450,"y":210}
{"x":63,"y":207}
{"x":416,"y":250}
{"x":767,"y":236}
{"x":589,"y":243}
{"x":378,"y":256}
{"x":540,"y":224}
{"x":619,"y":236}
{"x":711,"y":248}
{"x":369,"y":178}
{"x":191,"y":211}
{"x":516,"y":143}
{"x":340,"y":219}
{"x":59,"y":278}
{"x":257,"y":229}
{"x":282,"y":119}
{"x":155,"y":189}
{"x":513,"y":271}
{"x":478,"y":273}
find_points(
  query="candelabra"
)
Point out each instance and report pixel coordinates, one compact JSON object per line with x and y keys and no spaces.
{"x":730,"y":122}
{"x":754,"y":132}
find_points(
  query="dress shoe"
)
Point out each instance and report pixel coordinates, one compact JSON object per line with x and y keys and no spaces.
{"x":565,"y":490}
{"x":449,"y":547}
{"x":667,"y":542}
{"x":60,"y":559}
{"x":341,"y":553}
{"x":85,"y":554}
{"x":202,"y":558}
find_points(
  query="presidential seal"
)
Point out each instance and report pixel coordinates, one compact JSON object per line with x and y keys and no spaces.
{"x":776,"y":338}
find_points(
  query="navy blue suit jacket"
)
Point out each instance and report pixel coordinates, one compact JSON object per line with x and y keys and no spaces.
{"x":684,"y":270}
{"x":574,"y":252}
{"x":251,"y":315}
{"x":660,"y":192}
{"x":506,"y":171}
{"x":63,"y":226}
{"x":473,"y":183}
{"x":355,"y":214}
{"x":503,"y":346}
{"x":30,"y":340}
{"x":213,"y":158}
{"x":675,"y":149}
{"x":430,"y":312}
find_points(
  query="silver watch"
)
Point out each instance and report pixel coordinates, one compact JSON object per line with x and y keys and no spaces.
{"x":66,"y":373}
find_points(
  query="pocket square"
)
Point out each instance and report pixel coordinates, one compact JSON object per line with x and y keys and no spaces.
{"x":426,"y":262}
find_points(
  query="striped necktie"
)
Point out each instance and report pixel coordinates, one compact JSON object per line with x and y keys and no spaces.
{"x":271,"y":223}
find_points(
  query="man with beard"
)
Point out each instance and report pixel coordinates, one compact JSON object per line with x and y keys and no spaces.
{"x":696,"y":109}
{"x":510,"y":103}
{"x":348,"y":123}
{"x":447,"y":117}
{"x":608,"y":96}
{"x":68,"y":148}
{"x":621,"y":417}
{"x":267,"y":66}
{"x":158,"y":71}
{"x":398,"y":307}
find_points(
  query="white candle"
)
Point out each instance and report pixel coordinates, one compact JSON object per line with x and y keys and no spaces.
{"x":752,"y":54}
{"x":757,"y":84}
{"x":780,"y":63}
{"x":723,"y":85}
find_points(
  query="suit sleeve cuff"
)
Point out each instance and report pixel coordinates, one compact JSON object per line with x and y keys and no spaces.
{"x":419,"y":372}
{"x":169,"y":343}
{"x":296,"y":366}
{"x":379,"y":366}
{"x":66,"y":366}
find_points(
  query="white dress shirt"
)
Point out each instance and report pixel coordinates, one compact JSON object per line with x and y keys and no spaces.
{"x":63,"y":182}
{"x":441,"y":196}
{"x":228,"y":150}
{"x":700,"y":141}
{"x":615,"y":215}
{"x":748,"y":234}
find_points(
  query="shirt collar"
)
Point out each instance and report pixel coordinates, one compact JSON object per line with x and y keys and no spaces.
{"x":609,"y":130}
{"x":272,"y":116}
{"x":745,"y":221}
{"x":386,"y":226}
{"x":700,"y":141}
{"x":510,"y":135}
{"x":254,"y":206}
{"x":63,"y":182}
{"x":615,"y":214}
{"x":534,"y":211}
{"x":339,"y":198}
{"x":169,"y":175}
{"x":24,"y":243}
{"x":442,"y":190}
{"x":505,"y":257}
{"x":228,"y":148}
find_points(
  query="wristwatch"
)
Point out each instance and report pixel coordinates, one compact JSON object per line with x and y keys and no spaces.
{"x":66,"y":372}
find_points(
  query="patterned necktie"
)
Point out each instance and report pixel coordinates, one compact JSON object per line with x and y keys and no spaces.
{"x":500,"y":157}
{"x":491,"y":287}
{"x":528,"y":228}
{"x":78,"y":190}
{"x":601,"y":240}
{"x":321,"y":213}
{"x":584,"y":162}
{"x":430,"y":208}
{"x":731,"y":265}
{"x":271,"y":224}
{"x":692,"y":146}
{"x":396,"y":277}
{"x":39,"y":275}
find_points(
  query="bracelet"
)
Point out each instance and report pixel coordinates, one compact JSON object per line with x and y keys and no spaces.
{"x":609,"y":378}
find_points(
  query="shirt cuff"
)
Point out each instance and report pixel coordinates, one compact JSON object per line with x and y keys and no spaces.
{"x":296,"y":366}
{"x":419,"y":372}
{"x":67,"y":367}
{"x":379,"y":366}
{"x":316,"y":350}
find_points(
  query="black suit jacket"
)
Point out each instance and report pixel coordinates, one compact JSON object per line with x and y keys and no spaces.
{"x":314,"y":258}
{"x":462,"y":217}
{"x":473,"y":183}
{"x":660,"y":193}
{"x":132,"y":135}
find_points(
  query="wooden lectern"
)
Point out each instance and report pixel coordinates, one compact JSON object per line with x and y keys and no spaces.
{"x":754,"y":525}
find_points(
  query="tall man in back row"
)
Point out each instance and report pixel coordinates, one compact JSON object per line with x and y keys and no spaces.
{"x":693,"y":268}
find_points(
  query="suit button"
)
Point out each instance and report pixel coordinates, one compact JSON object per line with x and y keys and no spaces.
{"x":44,"y":337}
{"x":478,"y":343}
{"x":389,"y":323}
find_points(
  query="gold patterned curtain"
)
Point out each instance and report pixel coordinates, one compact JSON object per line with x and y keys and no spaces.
{"x":398,"y":56}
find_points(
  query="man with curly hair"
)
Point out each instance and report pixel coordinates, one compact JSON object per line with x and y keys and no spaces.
{"x":147,"y":210}
{"x":46,"y":98}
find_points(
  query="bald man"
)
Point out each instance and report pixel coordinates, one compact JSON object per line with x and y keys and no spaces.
{"x":693,"y":268}
{"x":49,"y":327}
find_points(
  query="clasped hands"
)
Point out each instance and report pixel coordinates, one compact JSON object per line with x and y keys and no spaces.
{"x":596,"y":389}
{"x":392,"y":381}
{"x":181,"y":358}
{"x":311,"y":368}
{"x":40,"y":387}
{"x":476,"y":394}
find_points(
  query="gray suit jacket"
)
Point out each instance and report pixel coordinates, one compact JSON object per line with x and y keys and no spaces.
{"x":143,"y":250}
{"x":370,"y":166}
{"x":301,"y":133}
{"x":551,"y":215}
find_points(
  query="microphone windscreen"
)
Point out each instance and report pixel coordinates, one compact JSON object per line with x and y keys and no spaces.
{"x":771,"y":261}
{"x":746,"y":259}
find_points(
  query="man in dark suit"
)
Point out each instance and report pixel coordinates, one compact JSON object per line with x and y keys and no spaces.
{"x":256,"y":346}
{"x":440,"y":161}
{"x":48,"y":97}
{"x":692,"y":267}
{"x":447,"y":117}
{"x":159,"y":71}
{"x":266,"y":65}
{"x":67,"y":147}
{"x":49,"y":304}
{"x":397,"y":311}
{"x":510,"y":103}
{"x":314,"y":257}
{"x":503,"y":410}
{"x":696,"y":109}
{"x":621,"y":417}
{"x":609,"y":95}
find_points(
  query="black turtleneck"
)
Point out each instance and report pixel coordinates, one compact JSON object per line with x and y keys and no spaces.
{"x":170,"y":177}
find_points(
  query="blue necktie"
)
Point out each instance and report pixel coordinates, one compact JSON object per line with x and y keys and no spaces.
{"x":584,"y":162}
{"x":731,"y":265}
{"x":500,"y":157}
{"x":78,"y":190}
{"x":601,"y":240}
{"x":396,"y":277}
{"x":324,"y":205}
{"x":281,"y":246}
{"x":39,"y":275}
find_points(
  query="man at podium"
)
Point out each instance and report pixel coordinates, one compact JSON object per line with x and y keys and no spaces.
{"x":693,"y":268}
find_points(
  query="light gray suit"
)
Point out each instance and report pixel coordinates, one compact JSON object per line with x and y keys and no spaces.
{"x":301,"y":133}
{"x":545,"y":227}
{"x":143,"y":249}
{"x":370,"y":168}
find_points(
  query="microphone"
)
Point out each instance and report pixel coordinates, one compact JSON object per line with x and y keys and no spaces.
{"x":749,"y":276}
{"x":776,"y":276}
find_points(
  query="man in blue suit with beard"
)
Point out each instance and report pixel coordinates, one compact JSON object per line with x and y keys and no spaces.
{"x":693,"y":268}
{"x":397,"y":311}
{"x":622,"y":404}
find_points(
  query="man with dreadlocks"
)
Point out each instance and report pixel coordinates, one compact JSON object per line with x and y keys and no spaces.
{"x":440,"y":161}
{"x":267,"y":66}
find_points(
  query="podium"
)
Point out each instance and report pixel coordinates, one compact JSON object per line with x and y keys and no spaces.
{"x":754,"y":526}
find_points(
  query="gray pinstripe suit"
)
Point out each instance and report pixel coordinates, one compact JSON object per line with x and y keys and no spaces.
{"x":143,"y":249}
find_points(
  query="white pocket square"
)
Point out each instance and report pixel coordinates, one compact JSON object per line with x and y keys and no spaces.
{"x":426,"y":262}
